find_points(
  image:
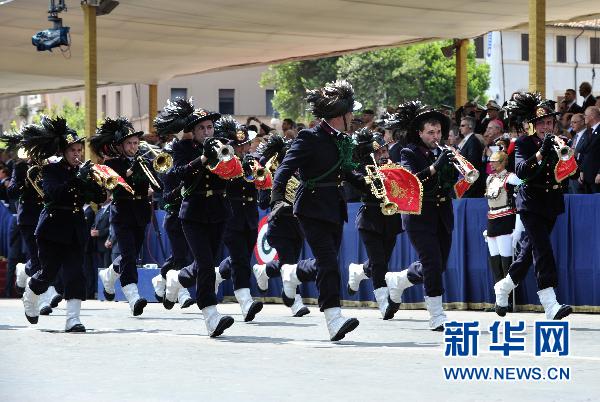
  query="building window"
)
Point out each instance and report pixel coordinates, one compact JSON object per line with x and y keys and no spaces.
{"x":270,"y":93}
{"x":525,"y":47}
{"x":118,"y":103}
{"x":595,"y":50}
{"x":226,"y":101}
{"x":103,"y":106}
{"x":479,"y":53}
{"x":178,"y":93}
{"x":561,"y":49}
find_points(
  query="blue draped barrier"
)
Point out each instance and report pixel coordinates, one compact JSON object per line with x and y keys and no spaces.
{"x":468,"y":279}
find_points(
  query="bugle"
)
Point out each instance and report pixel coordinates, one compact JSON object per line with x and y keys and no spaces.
{"x":461,"y":164}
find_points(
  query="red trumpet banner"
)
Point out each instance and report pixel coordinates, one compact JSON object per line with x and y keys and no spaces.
{"x":265,"y":184}
{"x":108,"y":171}
{"x":228,"y":170}
{"x":564,"y":169}
{"x":403,"y":188}
{"x":461,"y":187}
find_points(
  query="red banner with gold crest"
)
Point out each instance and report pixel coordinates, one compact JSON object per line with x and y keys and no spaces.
{"x":229,"y":169}
{"x":403,"y":188}
{"x":564,"y":169}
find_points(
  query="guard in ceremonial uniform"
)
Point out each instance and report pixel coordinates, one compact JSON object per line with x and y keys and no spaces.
{"x":430,"y":233}
{"x":129,"y":212}
{"x":500,"y":185}
{"x":204,"y":165}
{"x":378,"y":232}
{"x":283,"y":234}
{"x":61,"y":228}
{"x":172,"y":120}
{"x":323,"y":158}
{"x":539,"y":202}
{"x":241,"y":228}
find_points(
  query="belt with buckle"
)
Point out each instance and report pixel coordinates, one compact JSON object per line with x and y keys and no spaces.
{"x":248,"y":199}
{"x":209,"y":193}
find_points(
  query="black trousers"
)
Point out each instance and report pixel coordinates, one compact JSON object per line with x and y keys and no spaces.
{"x":28,"y":235}
{"x":180,"y":252}
{"x":433,"y":250}
{"x":204,"y":240}
{"x":324,"y":239}
{"x":379,"y":250}
{"x":536,"y":247}
{"x":15,"y":255}
{"x":240,"y":244}
{"x":53,"y":257}
{"x":130,"y":240}
{"x":91,"y":274}
{"x":288,"y":252}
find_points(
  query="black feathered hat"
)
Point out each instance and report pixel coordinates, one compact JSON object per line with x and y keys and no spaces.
{"x":11,"y":140}
{"x":365,"y":146}
{"x":199,"y":115}
{"x":174,"y":117}
{"x":110,"y":134}
{"x":333,"y":100}
{"x":410,"y":115}
{"x":529,"y":107}
{"x":275,"y":145}
{"x":49,"y":138}
{"x":232,"y":131}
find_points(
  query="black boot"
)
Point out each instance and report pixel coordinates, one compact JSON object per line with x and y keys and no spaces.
{"x":496,"y":266}
{"x":506,"y":263}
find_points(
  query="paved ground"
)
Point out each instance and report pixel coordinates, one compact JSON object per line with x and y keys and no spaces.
{"x":166,"y":356}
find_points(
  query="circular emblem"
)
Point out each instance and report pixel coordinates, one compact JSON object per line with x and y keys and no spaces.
{"x":240,"y":136}
{"x":263,"y":252}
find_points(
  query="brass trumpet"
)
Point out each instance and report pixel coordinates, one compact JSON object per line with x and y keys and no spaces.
{"x":161,"y":161}
{"x":106,"y":177}
{"x":563,"y":151}
{"x":376,"y":179}
{"x":462,"y":165}
{"x":34,"y":177}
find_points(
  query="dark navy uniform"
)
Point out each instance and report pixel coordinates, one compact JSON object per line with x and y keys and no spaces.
{"x":29,"y":206}
{"x":241,"y":232}
{"x":378,"y":233}
{"x":129,"y":216}
{"x":204,"y":211}
{"x":539,"y":202}
{"x":430,"y":232}
{"x":180,"y":252}
{"x":61,"y":231}
{"x":320,"y":207}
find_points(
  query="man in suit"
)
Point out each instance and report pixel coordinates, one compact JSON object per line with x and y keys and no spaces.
{"x":323,"y":158}
{"x":430,"y":232}
{"x":585,"y":91}
{"x":570,"y":100}
{"x":577,"y":143}
{"x":590,"y":168}
{"x":539,"y":202}
{"x":99,"y":232}
{"x":472,"y":149}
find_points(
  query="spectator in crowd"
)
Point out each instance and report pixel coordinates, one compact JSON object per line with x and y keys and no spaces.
{"x":89,"y":269}
{"x":570,"y":100}
{"x":472,"y":149}
{"x":290,"y":134}
{"x":4,"y":182}
{"x":493,"y":113}
{"x":288,"y":124}
{"x":454,"y":137}
{"x":356,"y":124}
{"x":565,"y":124}
{"x":264,"y":129}
{"x":368,"y":118}
{"x":585,"y":90}
{"x":99,"y":234}
{"x":590,"y":174}
{"x":495,"y":130}
{"x":300,"y":126}
{"x":578,"y":129}
{"x":480,"y":113}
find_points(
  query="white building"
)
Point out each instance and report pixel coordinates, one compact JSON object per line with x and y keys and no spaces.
{"x":572,"y":57}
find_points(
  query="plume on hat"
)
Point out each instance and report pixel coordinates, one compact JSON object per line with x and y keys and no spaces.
{"x":174,"y":117}
{"x":12,"y":139}
{"x":103,"y":143}
{"x":226,"y":127}
{"x":47,"y":138}
{"x":334,"y":99}
{"x":276,"y":144}
{"x":405,"y":115}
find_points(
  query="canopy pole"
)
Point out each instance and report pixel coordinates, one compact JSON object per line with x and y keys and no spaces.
{"x":537,"y":46}
{"x":462,"y":47}
{"x":90,"y":73}
{"x":152,"y":106}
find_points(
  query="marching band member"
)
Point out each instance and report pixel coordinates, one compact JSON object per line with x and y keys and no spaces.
{"x":323,"y":158}
{"x":539,"y":202}
{"x":500,"y":186}
{"x":204,"y":166}
{"x":129,"y":211}
{"x":241,"y":228}
{"x":172,"y":120}
{"x":430,"y":233}
{"x":61,"y":229}
{"x":285,"y":235}
{"x":378,"y":232}
{"x":25,"y":174}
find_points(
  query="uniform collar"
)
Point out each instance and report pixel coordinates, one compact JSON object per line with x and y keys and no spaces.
{"x":329,"y":130}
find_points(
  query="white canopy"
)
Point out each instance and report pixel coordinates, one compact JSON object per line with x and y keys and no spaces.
{"x":144,"y":41}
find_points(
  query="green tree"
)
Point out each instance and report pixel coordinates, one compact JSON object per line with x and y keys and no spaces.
{"x":291,"y":80}
{"x":380,"y":78}
{"x":75,"y":115}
